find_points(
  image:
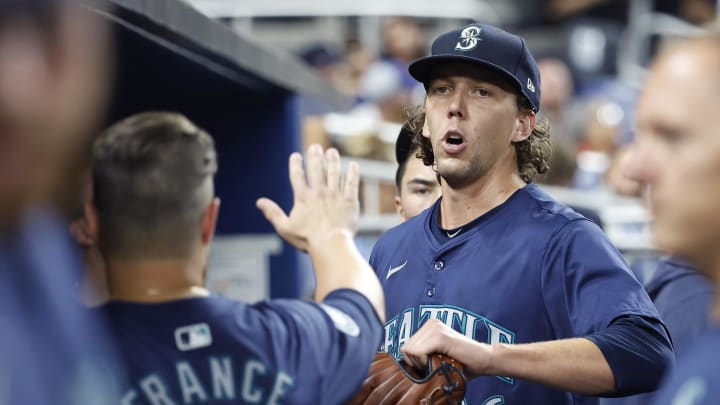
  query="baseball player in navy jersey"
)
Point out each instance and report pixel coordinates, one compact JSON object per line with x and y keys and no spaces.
{"x":154,"y":213}
{"x":417,"y":185}
{"x":530,"y":296}
{"x":676,"y":156}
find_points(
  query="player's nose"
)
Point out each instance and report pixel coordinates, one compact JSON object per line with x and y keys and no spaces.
{"x":638,"y":164}
{"x":456,"y":107}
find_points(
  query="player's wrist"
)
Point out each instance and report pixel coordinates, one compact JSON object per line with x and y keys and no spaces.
{"x":329,"y":240}
{"x":483,"y":359}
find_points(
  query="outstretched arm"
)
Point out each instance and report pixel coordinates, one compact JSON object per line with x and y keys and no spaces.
{"x":575,"y":364}
{"x":323,"y":222}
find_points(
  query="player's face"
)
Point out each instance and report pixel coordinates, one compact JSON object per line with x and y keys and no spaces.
{"x":419,"y":189}
{"x":676,"y":154}
{"x":471,"y":119}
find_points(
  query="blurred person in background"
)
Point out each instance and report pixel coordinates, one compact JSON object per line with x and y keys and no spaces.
{"x":403,"y":42}
{"x":561,"y":172}
{"x":557,"y":90}
{"x":54,"y":79}
{"x":615,"y":177}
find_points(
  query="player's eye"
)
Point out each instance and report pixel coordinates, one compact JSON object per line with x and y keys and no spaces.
{"x":483,"y":92}
{"x":669,"y":135}
{"x":440,"y":89}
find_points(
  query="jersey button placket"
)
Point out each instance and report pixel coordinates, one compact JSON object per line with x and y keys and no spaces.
{"x":439,"y":265}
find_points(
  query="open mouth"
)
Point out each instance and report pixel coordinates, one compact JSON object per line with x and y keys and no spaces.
{"x":454,"y":140}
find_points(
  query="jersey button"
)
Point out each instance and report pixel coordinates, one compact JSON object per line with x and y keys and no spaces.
{"x":431,"y":292}
{"x":439,"y":265}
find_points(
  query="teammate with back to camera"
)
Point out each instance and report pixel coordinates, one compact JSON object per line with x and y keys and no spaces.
{"x":530,"y":296}
{"x":676,"y":156}
{"x":154,"y":214}
{"x":416,"y":185}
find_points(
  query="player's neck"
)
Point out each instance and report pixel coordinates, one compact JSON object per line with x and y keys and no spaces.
{"x":461,"y":205}
{"x":155,"y":280}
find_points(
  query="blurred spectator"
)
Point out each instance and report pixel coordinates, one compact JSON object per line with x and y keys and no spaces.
{"x":54,"y":77}
{"x":698,"y":11}
{"x":616,"y":10}
{"x":693,"y":11}
{"x":402,"y":43}
{"x":561,"y":173}
{"x":557,"y":91}
{"x":359,"y":58}
{"x":562,"y":165}
{"x":598,"y":142}
{"x":387,"y":82}
{"x":558,"y":12}
{"x":615,"y":177}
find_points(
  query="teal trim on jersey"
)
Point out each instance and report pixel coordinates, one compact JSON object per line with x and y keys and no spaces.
{"x":494,"y":400}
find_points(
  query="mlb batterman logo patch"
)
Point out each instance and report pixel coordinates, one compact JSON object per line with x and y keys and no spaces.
{"x":193,"y":337}
{"x":469,"y":38}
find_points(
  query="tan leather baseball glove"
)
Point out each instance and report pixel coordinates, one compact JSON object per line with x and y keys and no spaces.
{"x":394,"y":382}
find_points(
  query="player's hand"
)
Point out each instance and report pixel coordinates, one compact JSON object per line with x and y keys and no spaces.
{"x":323,"y":204}
{"x":436,"y":337}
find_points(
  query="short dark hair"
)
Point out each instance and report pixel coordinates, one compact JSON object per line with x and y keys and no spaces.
{"x":152,"y":181}
{"x":406,"y":146}
{"x":402,"y":166}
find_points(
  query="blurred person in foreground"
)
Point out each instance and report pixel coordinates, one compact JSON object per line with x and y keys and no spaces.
{"x":676,"y":158}
{"x":54,"y":58}
{"x":153,"y":216}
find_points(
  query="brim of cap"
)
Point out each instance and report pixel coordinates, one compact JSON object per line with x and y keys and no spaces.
{"x":421,"y":69}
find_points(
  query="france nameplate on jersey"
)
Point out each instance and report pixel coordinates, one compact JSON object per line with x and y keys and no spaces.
{"x":213,"y":350}
{"x":529,"y":270}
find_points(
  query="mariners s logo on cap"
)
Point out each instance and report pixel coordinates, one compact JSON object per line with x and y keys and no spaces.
{"x":469,"y":38}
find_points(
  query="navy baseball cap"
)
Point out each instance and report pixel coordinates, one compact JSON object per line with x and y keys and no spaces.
{"x":488,"y":46}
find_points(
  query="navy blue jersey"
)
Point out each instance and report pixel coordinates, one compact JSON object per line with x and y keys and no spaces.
{"x":696,"y":380}
{"x":52,"y":349}
{"x":217,"y":351}
{"x":529,"y":270}
{"x":683,"y":297}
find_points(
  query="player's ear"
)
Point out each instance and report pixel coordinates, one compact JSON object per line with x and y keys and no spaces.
{"x":399,"y":208}
{"x":525,"y":124}
{"x":90,"y":224}
{"x":210,"y":220}
{"x":79,"y":232}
